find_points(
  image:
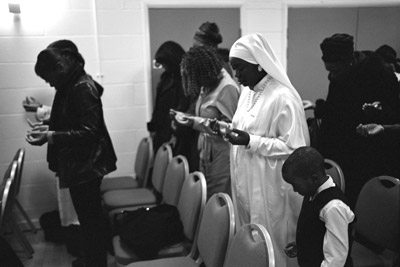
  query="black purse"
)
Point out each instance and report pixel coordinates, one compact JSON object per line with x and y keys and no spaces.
{"x":148,"y":230}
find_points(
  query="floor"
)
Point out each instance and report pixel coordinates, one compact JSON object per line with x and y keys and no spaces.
{"x":47,"y":254}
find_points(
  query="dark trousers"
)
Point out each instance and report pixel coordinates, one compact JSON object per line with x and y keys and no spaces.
{"x":86,"y":198}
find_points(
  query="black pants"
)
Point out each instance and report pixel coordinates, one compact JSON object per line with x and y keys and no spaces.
{"x":86,"y":198}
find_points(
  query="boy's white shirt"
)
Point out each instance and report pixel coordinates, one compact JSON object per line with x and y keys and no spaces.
{"x":337,"y":216}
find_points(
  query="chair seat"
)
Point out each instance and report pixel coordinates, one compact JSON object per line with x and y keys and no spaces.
{"x":124,"y":255}
{"x":364,"y":257}
{"x":128,"y":197}
{"x":116,"y":183}
{"x":167,"y":262}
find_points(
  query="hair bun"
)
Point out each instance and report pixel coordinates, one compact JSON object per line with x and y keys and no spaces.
{"x":208,"y":34}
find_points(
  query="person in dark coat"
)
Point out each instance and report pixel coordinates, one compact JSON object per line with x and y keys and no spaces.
{"x":80,"y":150}
{"x":358,"y":79}
{"x":169,"y":92}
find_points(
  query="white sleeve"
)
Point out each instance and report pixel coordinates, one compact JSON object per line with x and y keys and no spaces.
{"x":288,"y":129}
{"x":337,"y":217}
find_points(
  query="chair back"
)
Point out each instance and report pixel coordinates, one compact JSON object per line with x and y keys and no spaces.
{"x":176,"y":173}
{"x":191,"y":203}
{"x":7,"y":191}
{"x":251,"y":246}
{"x":144,"y":161}
{"x":19,"y":158}
{"x":216,"y":230}
{"x":377,"y":212}
{"x":161,"y":161}
{"x":333,"y":170}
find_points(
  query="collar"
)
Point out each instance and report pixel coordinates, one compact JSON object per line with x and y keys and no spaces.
{"x":328,"y":184}
{"x":260,"y":86}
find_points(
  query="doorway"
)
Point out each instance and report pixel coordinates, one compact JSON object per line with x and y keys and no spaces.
{"x":180,"y":24}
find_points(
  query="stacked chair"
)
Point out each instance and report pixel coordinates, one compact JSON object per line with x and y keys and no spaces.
{"x":143,"y":164}
{"x":120,"y":199}
{"x":191,"y":202}
{"x":376,"y":231}
{"x":20,"y":158}
{"x":8,"y":194}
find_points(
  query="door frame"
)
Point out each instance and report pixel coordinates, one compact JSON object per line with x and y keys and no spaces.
{"x":176,"y":5}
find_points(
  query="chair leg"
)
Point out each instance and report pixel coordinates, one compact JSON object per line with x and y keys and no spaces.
{"x":21,"y":237}
{"x":28,"y":220}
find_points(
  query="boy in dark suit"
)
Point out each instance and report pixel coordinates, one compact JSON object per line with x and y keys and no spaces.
{"x":323,"y":232}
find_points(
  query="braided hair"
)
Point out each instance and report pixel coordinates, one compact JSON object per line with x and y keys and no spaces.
{"x":200,"y":67}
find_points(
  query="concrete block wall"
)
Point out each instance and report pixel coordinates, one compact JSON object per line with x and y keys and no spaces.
{"x":114,"y":40}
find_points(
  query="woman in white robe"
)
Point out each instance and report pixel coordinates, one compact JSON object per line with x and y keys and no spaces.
{"x":269,"y":124}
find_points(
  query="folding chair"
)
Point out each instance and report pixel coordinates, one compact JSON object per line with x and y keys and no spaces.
{"x":377,"y":227}
{"x":190,"y":206}
{"x":213,"y":238}
{"x":19,"y":158}
{"x":122,"y":198}
{"x":143,"y":164}
{"x":7,"y":204}
{"x":251,"y":246}
{"x":334,"y":171}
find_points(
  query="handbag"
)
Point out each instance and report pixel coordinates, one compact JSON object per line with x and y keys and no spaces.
{"x":147,"y":230}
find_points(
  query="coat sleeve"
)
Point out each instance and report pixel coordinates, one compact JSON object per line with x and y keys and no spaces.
{"x":86,"y":117}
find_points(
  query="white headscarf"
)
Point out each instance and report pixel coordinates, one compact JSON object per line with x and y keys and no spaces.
{"x":254,"y":49}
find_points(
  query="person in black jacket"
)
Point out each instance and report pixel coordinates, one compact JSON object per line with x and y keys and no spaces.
{"x":323,"y":234}
{"x":357,"y":79}
{"x":169,"y":92}
{"x":80,"y":150}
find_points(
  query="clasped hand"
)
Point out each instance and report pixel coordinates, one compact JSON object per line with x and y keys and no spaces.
{"x":181,"y":118}
{"x":37,"y":136}
{"x":291,"y":250}
{"x":369,"y":129}
{"x":30,"y":104}
{"x":237,"y":137}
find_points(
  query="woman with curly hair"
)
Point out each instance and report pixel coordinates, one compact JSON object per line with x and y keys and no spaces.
{"x":217,"y":95}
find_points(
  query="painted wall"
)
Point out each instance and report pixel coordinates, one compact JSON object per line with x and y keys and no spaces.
{"x":114,"y":39}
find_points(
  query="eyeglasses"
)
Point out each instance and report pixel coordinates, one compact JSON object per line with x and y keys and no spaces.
{"x":157,"y":65}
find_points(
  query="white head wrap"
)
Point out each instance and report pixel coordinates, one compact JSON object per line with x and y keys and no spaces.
{"x":254,"y":49}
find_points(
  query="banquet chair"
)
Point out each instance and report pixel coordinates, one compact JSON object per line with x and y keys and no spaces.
{"x":122,"y":198}
{"x":215,"y":233}
{"x":143,"y":164}
{"x":333,"y":170}
{"x":251,"y":246}
{"x":191,"y":203}
{"x":376,"y":230}
{"x":20,"y":158}
{"x":7,"y":221}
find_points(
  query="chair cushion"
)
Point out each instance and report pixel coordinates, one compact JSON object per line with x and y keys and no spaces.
{"x":167,"y":262}
{"x":122,"y":253}
{"x":363,"y":257}
{"x":122,"y":182}
{"x":127,"y":198}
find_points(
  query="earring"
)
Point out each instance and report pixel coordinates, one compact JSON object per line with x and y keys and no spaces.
{"x":259,"y":68}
